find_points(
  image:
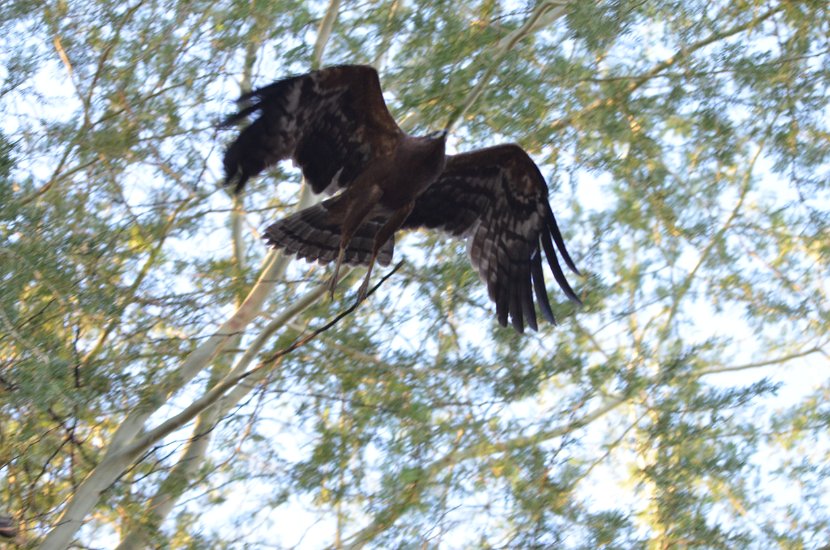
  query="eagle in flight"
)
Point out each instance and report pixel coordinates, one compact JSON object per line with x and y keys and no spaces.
{"x":336,"y":127}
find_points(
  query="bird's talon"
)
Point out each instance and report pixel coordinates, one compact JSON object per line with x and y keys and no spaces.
{"x":332,"y":284}
{"x":337,"y":263}
{"x":363,"y":291}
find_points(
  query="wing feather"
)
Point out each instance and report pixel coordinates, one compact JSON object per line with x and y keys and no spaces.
{"x":332,"y":122}
{"x":498,"y":199}
{"x":527,"y":296}
{"x":538,"y":275}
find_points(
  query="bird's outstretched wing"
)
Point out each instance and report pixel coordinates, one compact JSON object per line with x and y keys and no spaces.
{"x":332,"y":122}
{"x":498,"y":198}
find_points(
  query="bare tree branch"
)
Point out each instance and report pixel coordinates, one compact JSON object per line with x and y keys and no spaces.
{"x":544,"y":14}
{"x":390,"y":513}
{"x":765,"y":363}
{"x":657,"y":69}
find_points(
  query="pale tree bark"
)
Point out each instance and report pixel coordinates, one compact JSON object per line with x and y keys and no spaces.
{"x":182,"y":473}
{"x":162,"y":502}
{"x":116,"y":460}
{"x":114,"y":465}
{"x":129,"y":441}
{"x":774,"y":361}
{"x":386,"y":38}
{"x":211,"y":407}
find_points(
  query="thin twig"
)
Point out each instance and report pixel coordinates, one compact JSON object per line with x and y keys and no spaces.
{"x":529,"y":26}
{"x":330,"y":324}
{"x":219,"y":389}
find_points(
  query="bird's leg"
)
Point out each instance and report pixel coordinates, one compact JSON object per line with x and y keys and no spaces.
{"x":333,"y":280}
{"x":357,"y":209}
{"x":384,"y":234}
{"x":364,"y":286}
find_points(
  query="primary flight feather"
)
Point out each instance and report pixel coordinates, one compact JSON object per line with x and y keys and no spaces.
{"x":335,"y":125}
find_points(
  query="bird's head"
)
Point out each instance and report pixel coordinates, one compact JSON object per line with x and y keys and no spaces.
{"x":440,"y":134}
{"x":437,"y":141}
{"x":433,"y":148}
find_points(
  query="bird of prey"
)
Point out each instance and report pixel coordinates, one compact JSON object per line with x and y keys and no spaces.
{"x":335,"y":125}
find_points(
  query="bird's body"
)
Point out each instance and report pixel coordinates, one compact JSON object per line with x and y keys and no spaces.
{"x":335,"y":125}
{"x":384,"y":194}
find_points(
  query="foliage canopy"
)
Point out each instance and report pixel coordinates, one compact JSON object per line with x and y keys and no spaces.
{"x":688,"y":150}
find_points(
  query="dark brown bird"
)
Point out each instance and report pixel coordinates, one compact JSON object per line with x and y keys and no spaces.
{"x":335,"y":125}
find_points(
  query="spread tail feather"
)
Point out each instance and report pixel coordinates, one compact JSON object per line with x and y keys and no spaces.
{"x":312,"y":234}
